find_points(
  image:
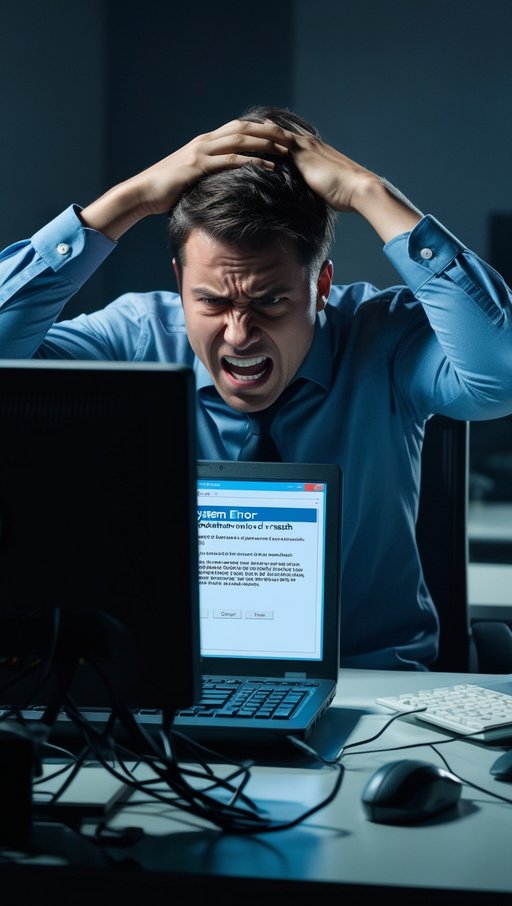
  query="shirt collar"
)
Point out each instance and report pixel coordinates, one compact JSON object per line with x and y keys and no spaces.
{"x":317,"y":366}
{"x":202,"y":375}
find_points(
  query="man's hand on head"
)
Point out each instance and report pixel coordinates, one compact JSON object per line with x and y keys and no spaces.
{"x":233,"y":145}
{"x":157,"y":189}
{"x":348,"y":186}
{"x":344,"y":184}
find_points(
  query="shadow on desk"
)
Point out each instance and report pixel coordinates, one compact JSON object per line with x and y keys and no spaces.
{"x":327,"y":739}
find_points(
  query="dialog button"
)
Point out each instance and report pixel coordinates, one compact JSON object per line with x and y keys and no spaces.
{"x":227,"y":614}
{"x":259,"y":614}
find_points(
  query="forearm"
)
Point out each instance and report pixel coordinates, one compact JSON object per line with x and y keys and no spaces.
{"x":122,"y":206}
{"x":115,"y":212}
{"x":385,"y":208}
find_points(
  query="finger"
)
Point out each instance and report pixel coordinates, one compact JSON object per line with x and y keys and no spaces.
{"x":234,"y":161}
{"x":268,"y":127}
{"x":238,"y":129}
{"x":243,"y":144}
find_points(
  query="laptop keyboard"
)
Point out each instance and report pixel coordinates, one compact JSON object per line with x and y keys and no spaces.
{"x":259,"y":699}
{"x":464,"y":708}
{"x":230,"y":698}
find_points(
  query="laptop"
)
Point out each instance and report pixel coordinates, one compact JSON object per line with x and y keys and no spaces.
{"x":269,"y":590}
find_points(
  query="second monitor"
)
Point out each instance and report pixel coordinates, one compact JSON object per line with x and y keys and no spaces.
{"x":98,"y":534}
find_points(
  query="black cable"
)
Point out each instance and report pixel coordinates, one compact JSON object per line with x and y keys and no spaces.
{"x":74,"y":768}
{"x":228,"y":816}
{"x":470,"y":783}
{"x":457,"y":737}
{"x":300,"y":744}
{"x":169,"y":773}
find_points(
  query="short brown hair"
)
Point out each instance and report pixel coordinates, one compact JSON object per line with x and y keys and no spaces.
{"x":254,"y":206}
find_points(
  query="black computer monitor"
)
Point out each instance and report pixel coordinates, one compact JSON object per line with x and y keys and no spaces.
{"x":98,"y":528}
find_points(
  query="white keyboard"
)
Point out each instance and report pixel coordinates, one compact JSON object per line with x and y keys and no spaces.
{"x":464,"y":708}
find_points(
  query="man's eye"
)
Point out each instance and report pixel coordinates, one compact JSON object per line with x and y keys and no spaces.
{"x":270,"y":300}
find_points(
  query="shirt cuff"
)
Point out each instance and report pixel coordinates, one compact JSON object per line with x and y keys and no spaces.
{"x":423,"y":253}
{"x":66,"y":243}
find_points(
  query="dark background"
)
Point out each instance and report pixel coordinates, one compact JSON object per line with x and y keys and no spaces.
{"x":95,"y":90}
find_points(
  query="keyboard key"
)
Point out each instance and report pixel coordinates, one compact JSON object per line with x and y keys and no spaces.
{"x":464,"y":708}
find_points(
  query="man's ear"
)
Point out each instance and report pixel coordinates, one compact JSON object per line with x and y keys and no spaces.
{"x":176,"y":270}
{"x":323,"y":285}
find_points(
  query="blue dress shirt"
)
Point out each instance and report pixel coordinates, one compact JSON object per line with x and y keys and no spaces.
{"x":380,"y":364}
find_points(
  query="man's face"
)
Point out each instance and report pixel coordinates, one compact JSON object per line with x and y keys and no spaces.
{"x":250,"y":315}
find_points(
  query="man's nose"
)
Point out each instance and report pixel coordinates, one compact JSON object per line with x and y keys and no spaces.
{"x":240,"y":330}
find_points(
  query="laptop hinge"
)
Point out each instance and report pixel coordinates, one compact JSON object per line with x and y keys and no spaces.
{"x":292,"y":675}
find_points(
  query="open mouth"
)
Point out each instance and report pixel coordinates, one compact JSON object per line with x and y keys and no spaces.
{"x":249,"y":369}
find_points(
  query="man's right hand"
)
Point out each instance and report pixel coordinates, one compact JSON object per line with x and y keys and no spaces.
{"x":157,"y":189}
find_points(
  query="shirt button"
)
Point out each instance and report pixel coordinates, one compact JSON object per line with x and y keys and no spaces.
{"x":63,"y":248}
{"x":426,"y":254}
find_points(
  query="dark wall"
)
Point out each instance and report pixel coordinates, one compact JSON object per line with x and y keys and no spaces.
{"x":52,"y":82}
{"x":174,"y":71}
{"x":419,"y":92}
{"x":96,"y":90}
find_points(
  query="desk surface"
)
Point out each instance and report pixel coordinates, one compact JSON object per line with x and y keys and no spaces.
{"x":467,"y":850}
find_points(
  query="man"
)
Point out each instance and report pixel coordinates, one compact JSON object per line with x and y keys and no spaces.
{"x":347,"y":374}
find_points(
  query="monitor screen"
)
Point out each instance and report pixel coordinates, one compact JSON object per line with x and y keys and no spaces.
{"x":98,"y":530}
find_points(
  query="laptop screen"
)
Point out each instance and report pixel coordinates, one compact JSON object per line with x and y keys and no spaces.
{"x":267,"y":583}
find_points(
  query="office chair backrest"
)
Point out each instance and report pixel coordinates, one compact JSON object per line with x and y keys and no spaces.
{"x":441,"y":532}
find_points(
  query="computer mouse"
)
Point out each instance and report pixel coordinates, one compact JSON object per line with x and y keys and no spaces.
{"x":501,"y":769}
{"x":409,"y":791}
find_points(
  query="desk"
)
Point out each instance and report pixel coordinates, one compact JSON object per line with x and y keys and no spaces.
{"x":338,"y":854}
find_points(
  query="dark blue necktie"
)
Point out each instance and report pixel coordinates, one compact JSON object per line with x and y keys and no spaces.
{"x":259,"y":446}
